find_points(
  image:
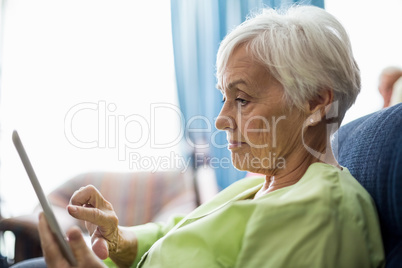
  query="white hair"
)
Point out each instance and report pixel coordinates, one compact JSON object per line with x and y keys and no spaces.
{"x":305,"y":48}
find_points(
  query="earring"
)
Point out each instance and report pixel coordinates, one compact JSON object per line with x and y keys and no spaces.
{"x":311,"y":120}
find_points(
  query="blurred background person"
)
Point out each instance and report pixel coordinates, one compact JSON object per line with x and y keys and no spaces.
{"x":396,"y":96}
{"x":387,"y":80}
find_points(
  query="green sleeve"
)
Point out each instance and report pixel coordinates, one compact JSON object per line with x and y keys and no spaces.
{"x":147,"y":235}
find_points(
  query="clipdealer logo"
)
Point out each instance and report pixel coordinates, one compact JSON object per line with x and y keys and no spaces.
{"x":112,"y":128}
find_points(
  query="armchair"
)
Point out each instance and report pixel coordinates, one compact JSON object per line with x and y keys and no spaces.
{"x":371,"y":148}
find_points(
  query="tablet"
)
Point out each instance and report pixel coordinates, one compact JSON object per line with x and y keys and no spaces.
{"x":51,"y":219}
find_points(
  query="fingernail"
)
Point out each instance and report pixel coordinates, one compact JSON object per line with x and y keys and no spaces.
{"x":72,"y":209}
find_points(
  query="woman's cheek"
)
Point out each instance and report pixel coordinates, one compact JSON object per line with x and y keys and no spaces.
{"x":257,"y":134}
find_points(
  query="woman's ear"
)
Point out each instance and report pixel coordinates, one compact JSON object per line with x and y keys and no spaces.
{"x":318,"y":107}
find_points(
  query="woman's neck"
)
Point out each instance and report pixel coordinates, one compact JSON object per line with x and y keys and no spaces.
{"x":286,"y":177}
{"x":298,"y":162}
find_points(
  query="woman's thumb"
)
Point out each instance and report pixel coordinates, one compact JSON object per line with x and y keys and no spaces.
{"x":100,"y":247}
{"x":77,"y":242}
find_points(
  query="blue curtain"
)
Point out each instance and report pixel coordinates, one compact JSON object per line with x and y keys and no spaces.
{"x":198,"y":26}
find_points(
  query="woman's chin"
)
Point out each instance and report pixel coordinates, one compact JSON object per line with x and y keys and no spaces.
{"x":241,"y":161}
{"x":261,"y":165}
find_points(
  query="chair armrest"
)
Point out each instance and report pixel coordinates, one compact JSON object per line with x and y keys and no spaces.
{"x":25,"y":230}
{"x":26,"y":224}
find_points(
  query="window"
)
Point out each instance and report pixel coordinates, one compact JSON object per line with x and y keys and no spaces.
{"x":89,"y":85}
{"x":373,"y":29}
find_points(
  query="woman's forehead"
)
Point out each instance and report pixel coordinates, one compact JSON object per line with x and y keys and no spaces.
{"x":250,"y":76}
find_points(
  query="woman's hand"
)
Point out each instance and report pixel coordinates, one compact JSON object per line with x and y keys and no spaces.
{"x":52,"y":253}
{"x":100,"y":219}
{"x":108,"y":239}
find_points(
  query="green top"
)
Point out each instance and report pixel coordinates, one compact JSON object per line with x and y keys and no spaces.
{"x":327,"y":219}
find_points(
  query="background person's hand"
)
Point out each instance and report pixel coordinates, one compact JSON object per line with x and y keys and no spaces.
{"x":100,"y":219}
{"x":52,"y":253}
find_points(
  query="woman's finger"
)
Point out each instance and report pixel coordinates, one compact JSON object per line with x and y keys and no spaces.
{"x":84,"y":255}
{"x":91,"y":228}
{"x":51,"y":250}
{"x":88,"y":195}
{"x":77,"y":243}
{"x":100,"y":246}
{"x":93,"y":215}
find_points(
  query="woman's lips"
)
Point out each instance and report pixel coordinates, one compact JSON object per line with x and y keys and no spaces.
{"x":235,"y":144}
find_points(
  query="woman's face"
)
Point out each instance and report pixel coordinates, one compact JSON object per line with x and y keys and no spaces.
{"x":262,"y":129}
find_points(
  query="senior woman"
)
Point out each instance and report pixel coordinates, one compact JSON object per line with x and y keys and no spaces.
{"x":286,"y":80}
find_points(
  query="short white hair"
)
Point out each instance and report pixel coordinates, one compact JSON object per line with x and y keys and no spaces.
{"x":304,"y":47}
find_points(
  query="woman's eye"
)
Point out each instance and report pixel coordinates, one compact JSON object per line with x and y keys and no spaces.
{"x":241,"y":101}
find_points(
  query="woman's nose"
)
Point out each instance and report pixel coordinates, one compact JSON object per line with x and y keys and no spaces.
{"x":225,"y":120}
